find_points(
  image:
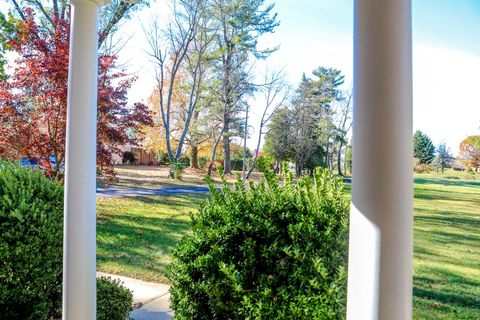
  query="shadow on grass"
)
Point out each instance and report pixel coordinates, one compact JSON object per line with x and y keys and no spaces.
{"x":460,"y":220}
{"x":448,"y":182}
{"x":140,"y":245}
{"x":181,"y":200}
{"x":444,"y":195}
{"x":462,"y":294}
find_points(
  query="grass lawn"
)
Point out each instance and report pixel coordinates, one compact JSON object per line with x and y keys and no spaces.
{"x":446,"y":248}
{"x":136,"y":237}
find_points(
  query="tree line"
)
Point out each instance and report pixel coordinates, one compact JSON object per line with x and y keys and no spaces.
{"x":33,"y":97}
{"x":427,"y":156}
{"x":204,"y":60}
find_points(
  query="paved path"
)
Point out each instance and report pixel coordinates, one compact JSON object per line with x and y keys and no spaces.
{"x":153,"y":299}
{"x":136,"y":192}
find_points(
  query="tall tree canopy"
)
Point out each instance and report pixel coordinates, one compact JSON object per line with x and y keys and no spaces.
{"x":308,"y":122}
{"x":423,"y":148}
{"x":33,"y":102}
{"x":240,"y":24}
{"x":179,"y":55}
{"x":443,"y":158}
{"x":470,"y":152}
{"x":48,"y":10}
{"x":8,"y":26}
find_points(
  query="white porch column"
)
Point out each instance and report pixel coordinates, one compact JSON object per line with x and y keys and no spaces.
{"x":79,"y":256}
{"x":381,"y":220}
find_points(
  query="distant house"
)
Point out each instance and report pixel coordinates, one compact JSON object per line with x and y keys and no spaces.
{"x":459,"y":164}
{"x":141,"y":155}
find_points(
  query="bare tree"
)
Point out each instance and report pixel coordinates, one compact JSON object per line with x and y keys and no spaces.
{"x":344,"y":124}
{"x":186,"y":38}
{"x":110,"y":15}
{"x":276,"y":93}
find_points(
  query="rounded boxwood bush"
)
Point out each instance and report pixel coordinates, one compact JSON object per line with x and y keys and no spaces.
{"x":31,"y":227}
{"x":114,"y":301}
{"x":269,"y":251}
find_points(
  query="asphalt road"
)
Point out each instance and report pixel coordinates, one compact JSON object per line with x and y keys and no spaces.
{"x":145,"y":192}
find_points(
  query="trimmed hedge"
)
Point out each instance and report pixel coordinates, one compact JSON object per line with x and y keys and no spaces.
{"x":269,"y":251}
{"x":31,"y":228}
{"x":31,"y":247}
{"x":114,"y":301}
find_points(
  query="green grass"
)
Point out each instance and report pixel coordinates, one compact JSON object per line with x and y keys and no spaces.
{"x":135,"y":236}
{"x":446,"y":248}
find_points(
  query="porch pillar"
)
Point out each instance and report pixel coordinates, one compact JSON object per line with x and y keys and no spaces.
{"x":381,"y":219}
{"x":79,"y":256}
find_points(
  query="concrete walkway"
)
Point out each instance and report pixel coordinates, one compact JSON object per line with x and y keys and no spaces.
{"x":145,"y":192}
{"x":152,"y":299}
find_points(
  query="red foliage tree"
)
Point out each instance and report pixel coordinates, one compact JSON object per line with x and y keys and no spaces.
{"x":33,"y":102}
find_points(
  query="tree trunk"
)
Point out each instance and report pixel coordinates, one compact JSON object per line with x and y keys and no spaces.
{"x":226,"y":154}
{"x":298,"y":168}
{"x":339,"y":159}
{"x":256,"y":151}
{"x":244,"y":164}
{"x":170,"y":172}
{"x":214,"y":151}
{"x":327,"y":150}
{"x":194,"y":157}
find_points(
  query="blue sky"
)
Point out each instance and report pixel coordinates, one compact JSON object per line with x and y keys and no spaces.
{"x":446,"y":56}
{"x":452,"y":23}
{"x":312,"y":33}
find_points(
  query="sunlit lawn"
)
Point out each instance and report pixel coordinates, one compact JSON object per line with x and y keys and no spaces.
{"x":136,"y":238}
{"x":447,"y":249}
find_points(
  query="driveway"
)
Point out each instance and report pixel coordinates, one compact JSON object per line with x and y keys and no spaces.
{"x":142,"y":192}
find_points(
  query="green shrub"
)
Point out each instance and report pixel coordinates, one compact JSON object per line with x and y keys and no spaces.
{"x":202,"y":161}
{"x":114,"y":301}
{"x":269,"y":251}
{"x":423,"y":168}
{"x":176,"y":169}
{"x":264,"y":162}
{"x":128,"y":157}
{"x":31,"y":226}
{"x":184,"y":161}
{"x":236,"y":164}
{"x":162,"y":158}
{"x":31,"y":248}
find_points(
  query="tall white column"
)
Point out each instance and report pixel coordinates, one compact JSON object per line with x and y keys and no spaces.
{"x":381,"y":219}
{"x":79,"y":256}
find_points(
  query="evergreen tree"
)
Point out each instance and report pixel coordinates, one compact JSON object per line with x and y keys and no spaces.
{"x":443,"y":158}
{"x":423,"y":148}
{"x":240,"y":24}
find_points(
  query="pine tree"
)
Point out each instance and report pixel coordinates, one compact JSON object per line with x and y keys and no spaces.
{"x":423,"y":148}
